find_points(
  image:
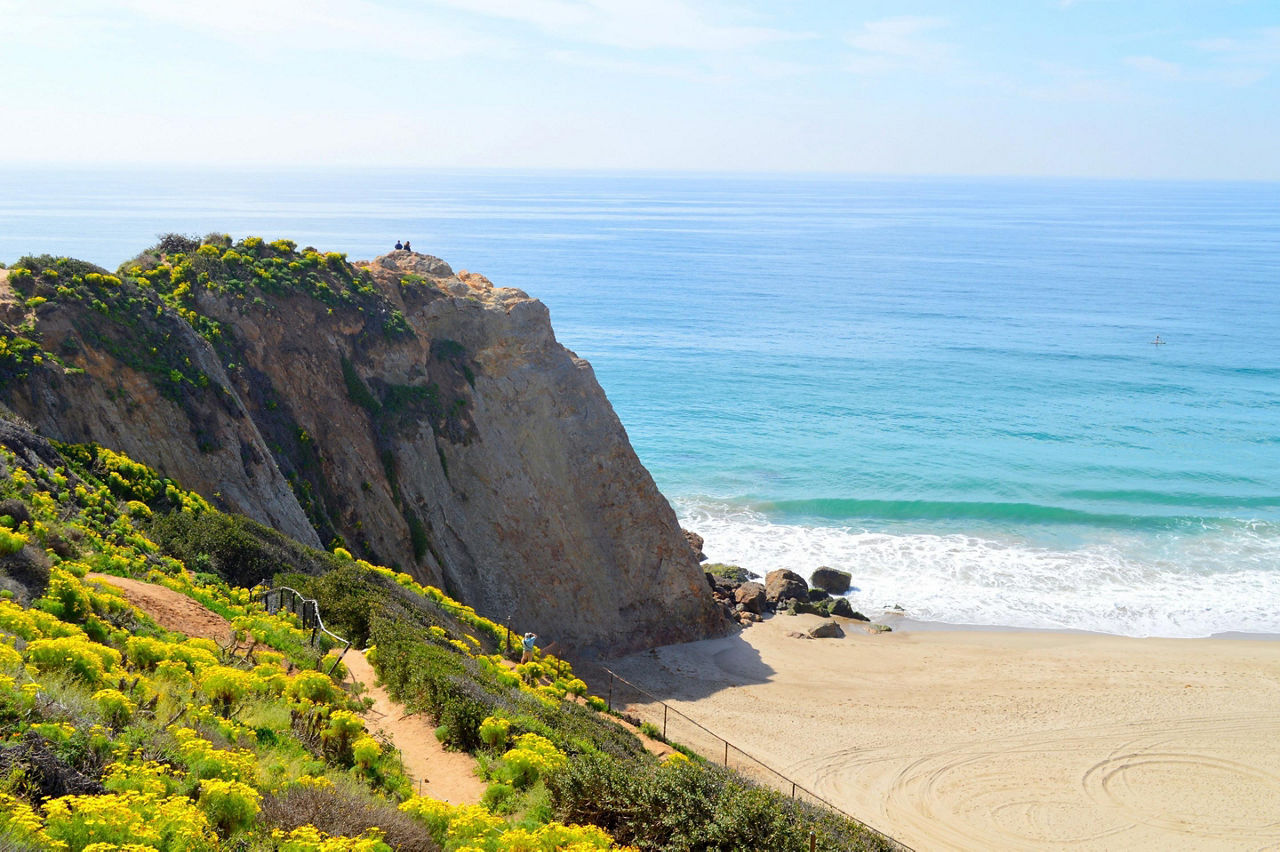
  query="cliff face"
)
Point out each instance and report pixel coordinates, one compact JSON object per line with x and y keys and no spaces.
{"x":421,"y":419}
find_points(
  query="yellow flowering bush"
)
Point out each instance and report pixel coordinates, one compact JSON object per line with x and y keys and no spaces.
{"x":149,"y":777}
{"x":74,"y":656}
{"x":269,"y":680}
{"x":11,"y":542}
{"x":9,"y":657}
{"x":19,"y":821}
{"x":224,"y":686}
{"x":314,"y":687}
{"x":58,"y":732}
{"x":308,"y":838}
{"x":493,"y":731}
{"x":164,"y":823}
{"x":230,"y":805}
{"x":194,"y":657}
{"x":203,"y":760}
{"x":532,"y":757}
{"x":454,"y":826}
{"x":144,"y":652}
{"x":33,"y":623}
{"x":366,"y":751}
{"x":115,"y":706}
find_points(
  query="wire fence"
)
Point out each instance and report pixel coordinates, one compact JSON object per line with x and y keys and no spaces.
{"x":625,"y":697}
{"x":283,"y":598}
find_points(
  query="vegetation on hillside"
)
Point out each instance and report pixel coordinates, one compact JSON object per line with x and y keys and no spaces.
{"x":158,"y":311}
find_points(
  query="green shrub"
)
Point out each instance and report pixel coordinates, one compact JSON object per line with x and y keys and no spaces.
{"x":685,"y":806}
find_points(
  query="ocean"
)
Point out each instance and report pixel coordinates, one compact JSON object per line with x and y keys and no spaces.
{"x":947,"y":387}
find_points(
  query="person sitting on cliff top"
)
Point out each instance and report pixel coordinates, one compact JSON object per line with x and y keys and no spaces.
{"x":398,"y":246}
{"x":406,"y":246}
{"x":527,"y":643}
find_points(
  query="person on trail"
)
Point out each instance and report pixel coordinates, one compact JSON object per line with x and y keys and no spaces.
{"x":527,"y":643}
{"x":398,"y":246}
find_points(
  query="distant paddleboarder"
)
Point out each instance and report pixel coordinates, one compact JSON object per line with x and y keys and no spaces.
{"x":1158,"y":341}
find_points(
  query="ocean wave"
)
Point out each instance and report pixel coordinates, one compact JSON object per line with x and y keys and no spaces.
{"x":848,"y":510}
{"x":1125,"y":582}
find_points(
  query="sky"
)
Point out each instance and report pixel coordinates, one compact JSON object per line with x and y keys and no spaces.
{"x":1185,"y":89}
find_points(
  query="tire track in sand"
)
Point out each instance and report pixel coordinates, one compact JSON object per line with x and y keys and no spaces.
{"x":1199,"y":783}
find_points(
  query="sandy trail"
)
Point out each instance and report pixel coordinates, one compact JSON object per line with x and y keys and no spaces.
{"x":445,"y":775}
{"x":441,"y":774}
{"x":1002,"y":740}
{"x":171,"y":610}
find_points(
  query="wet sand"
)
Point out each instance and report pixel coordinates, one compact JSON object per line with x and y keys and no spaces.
{"x":966,"y":739}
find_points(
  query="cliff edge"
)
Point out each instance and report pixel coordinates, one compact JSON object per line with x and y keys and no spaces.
{"x":419,"y":418}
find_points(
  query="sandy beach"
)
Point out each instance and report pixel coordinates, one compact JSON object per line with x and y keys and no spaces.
{"x":974,"y":740}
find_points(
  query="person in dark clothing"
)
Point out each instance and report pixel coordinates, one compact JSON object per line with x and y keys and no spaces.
{"x":398,"y":246}
{"x":406,"y":246}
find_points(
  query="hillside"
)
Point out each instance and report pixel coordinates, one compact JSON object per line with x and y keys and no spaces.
{"x":418,"y":418}
{"x":119,"y":735}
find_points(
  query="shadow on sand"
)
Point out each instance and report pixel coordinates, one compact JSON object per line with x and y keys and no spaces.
{"x":685,"y":672}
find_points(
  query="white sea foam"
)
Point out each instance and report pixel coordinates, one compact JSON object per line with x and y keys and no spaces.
{"x":1123,"y":583}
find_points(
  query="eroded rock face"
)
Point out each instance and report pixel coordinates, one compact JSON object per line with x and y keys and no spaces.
{"x":433,"y":424}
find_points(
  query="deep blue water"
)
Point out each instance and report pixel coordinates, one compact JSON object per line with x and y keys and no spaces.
{"x":945,"y":386}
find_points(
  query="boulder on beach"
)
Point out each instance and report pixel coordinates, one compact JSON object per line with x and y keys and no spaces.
{"x":832,"y":581}
{"x":751,"y":597}
{"x":842,"y":607}
{"x":826,"y":630}
{"x":782,"y":584}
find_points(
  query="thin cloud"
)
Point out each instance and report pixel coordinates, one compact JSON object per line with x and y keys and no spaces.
{"x":899,"y":44}
{"x":1155,"y":67}
{"x":320,"y":25}
{"x":627,"y":24}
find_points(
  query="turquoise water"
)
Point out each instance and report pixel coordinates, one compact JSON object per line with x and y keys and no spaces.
{"x":944,"y":386}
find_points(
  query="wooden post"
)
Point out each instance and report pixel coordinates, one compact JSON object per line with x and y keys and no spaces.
{"x":610,"y":692}
{"x":664,"y":721}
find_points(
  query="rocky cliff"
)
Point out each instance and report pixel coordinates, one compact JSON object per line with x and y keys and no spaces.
{"x":419,"y":418}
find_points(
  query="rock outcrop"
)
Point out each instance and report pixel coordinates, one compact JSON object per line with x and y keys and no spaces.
{"x":419,"y":418}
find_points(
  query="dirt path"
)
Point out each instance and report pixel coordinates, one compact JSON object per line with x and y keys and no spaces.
{"x":445,"y":775}
{"x":171,"y":610}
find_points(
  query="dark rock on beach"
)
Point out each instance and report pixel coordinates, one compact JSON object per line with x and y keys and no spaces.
{"x":832,"y":581}
{"x":826,"y":630}
{"x":842,"y":607}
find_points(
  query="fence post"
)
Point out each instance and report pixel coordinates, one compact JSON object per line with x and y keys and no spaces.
{"x":610,"y":692}
{"x":813,"y":841}
{"x":726,"y":752}
{"x":664,"y":720}
{"x":793,"y":789}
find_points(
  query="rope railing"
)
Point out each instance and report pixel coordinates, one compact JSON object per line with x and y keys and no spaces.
{"x":308,"y":612}
{"x":678,"y":727}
